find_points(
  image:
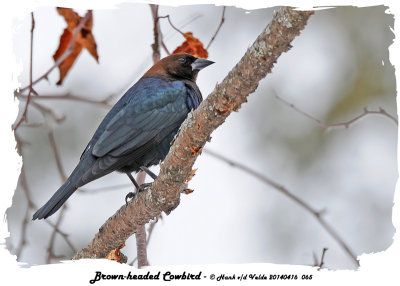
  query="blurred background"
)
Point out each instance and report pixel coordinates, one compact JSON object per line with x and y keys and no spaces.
{"x":338,"y":66}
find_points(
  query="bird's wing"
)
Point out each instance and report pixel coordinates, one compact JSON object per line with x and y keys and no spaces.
{"x":142,"y":121}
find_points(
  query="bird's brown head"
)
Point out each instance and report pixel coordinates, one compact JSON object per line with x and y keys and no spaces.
{"x":179,"y":66}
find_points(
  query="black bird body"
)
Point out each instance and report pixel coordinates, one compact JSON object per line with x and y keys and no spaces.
{"x":138,"y":130}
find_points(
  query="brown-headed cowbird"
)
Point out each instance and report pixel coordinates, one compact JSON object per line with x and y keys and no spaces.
{"x":137,"y":132}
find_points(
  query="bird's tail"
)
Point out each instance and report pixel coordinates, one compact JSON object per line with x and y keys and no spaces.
{"x":60,"y":196}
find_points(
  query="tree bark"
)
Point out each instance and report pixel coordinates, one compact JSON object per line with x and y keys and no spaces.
{"x":228,"y":96}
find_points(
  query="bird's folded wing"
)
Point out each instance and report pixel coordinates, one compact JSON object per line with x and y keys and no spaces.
{"x":138,"y":124}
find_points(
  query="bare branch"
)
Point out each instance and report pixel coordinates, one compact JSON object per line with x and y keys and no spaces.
{"x":165,"y":47}
{"x":24,"y":227}
{"x":157,"y":34}
{"x":317,"y":214}
{"x":219,"y":27}
{"x":322,"y":258}
{"x":152,"y":224}
{"x":150,"y":230}
{"x":30,"y":86}
{"x":164,"y":193}
{"x":53,"y":144}
{"x":172,"y":25}
{"x":33,"y":207}
{"x":50,"y":248}
{"x":69,"y":96}
{"x":47,"y":111}
{"x":60,"y":168}
{"x":141,"y":244}
{"x":321,"y":263}
{"x":345,"y":124}
{"x":67,"y":52}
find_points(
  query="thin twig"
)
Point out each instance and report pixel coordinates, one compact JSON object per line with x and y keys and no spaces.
{"x":25,"y":188}
{"x":26,"y":220}
{"x":177,"y":29}
{"x":30,"y":86}
{"x":317,"y":214}
{"x":33,"y":125}
{"x":152,"y":224}
{"x":322,"y":258}
{"x":321,"y":262}
{"x":219,"y":27}
{"x":156,"y":31}
{"x":33,"y":207}
{"x":345,"y":124}
{"x":47,"y":111}
{"x":172,"y":25}
{"x":61,"y":171}
{"x":158,"y":36}
{"x":69,"y":96}
{"x":67,"y":52}
{"x":60,"y":168}
{"x":61,"y":233}
{"x":44,"y":110}
{"x":185,"y":22}
{"x":31,"y":51}
{"x":165,"y":47}
{"x":53,"y":145}
{"x":50,"y":249}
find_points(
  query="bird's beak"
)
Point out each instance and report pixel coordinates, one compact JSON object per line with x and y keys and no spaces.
{"x":200,"y":64}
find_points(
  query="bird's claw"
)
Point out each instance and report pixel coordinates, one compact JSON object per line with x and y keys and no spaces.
{"x":130,"y":195}
{"x":142,"y":188}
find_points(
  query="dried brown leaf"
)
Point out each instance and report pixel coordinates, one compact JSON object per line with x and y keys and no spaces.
{"x":84,"y":39}
{"x":115,"y":254}
{"x":192,"y":46}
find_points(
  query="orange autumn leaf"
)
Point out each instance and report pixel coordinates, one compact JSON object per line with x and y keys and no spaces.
{"x":115,"y":254}
{"x":84,"y":39}
{"x":192,"y":46}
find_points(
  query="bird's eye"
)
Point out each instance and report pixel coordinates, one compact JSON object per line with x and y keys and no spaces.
{"x":182,"y":60}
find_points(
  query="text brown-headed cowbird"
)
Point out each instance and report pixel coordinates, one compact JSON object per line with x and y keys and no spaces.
{"x":138,"y":130}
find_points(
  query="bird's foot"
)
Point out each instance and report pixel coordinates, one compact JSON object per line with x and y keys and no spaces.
{"x":142,"y":188}
{"x":130,"y":195}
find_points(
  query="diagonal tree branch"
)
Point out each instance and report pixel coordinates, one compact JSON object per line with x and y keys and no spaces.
{"x":228,"y":96}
